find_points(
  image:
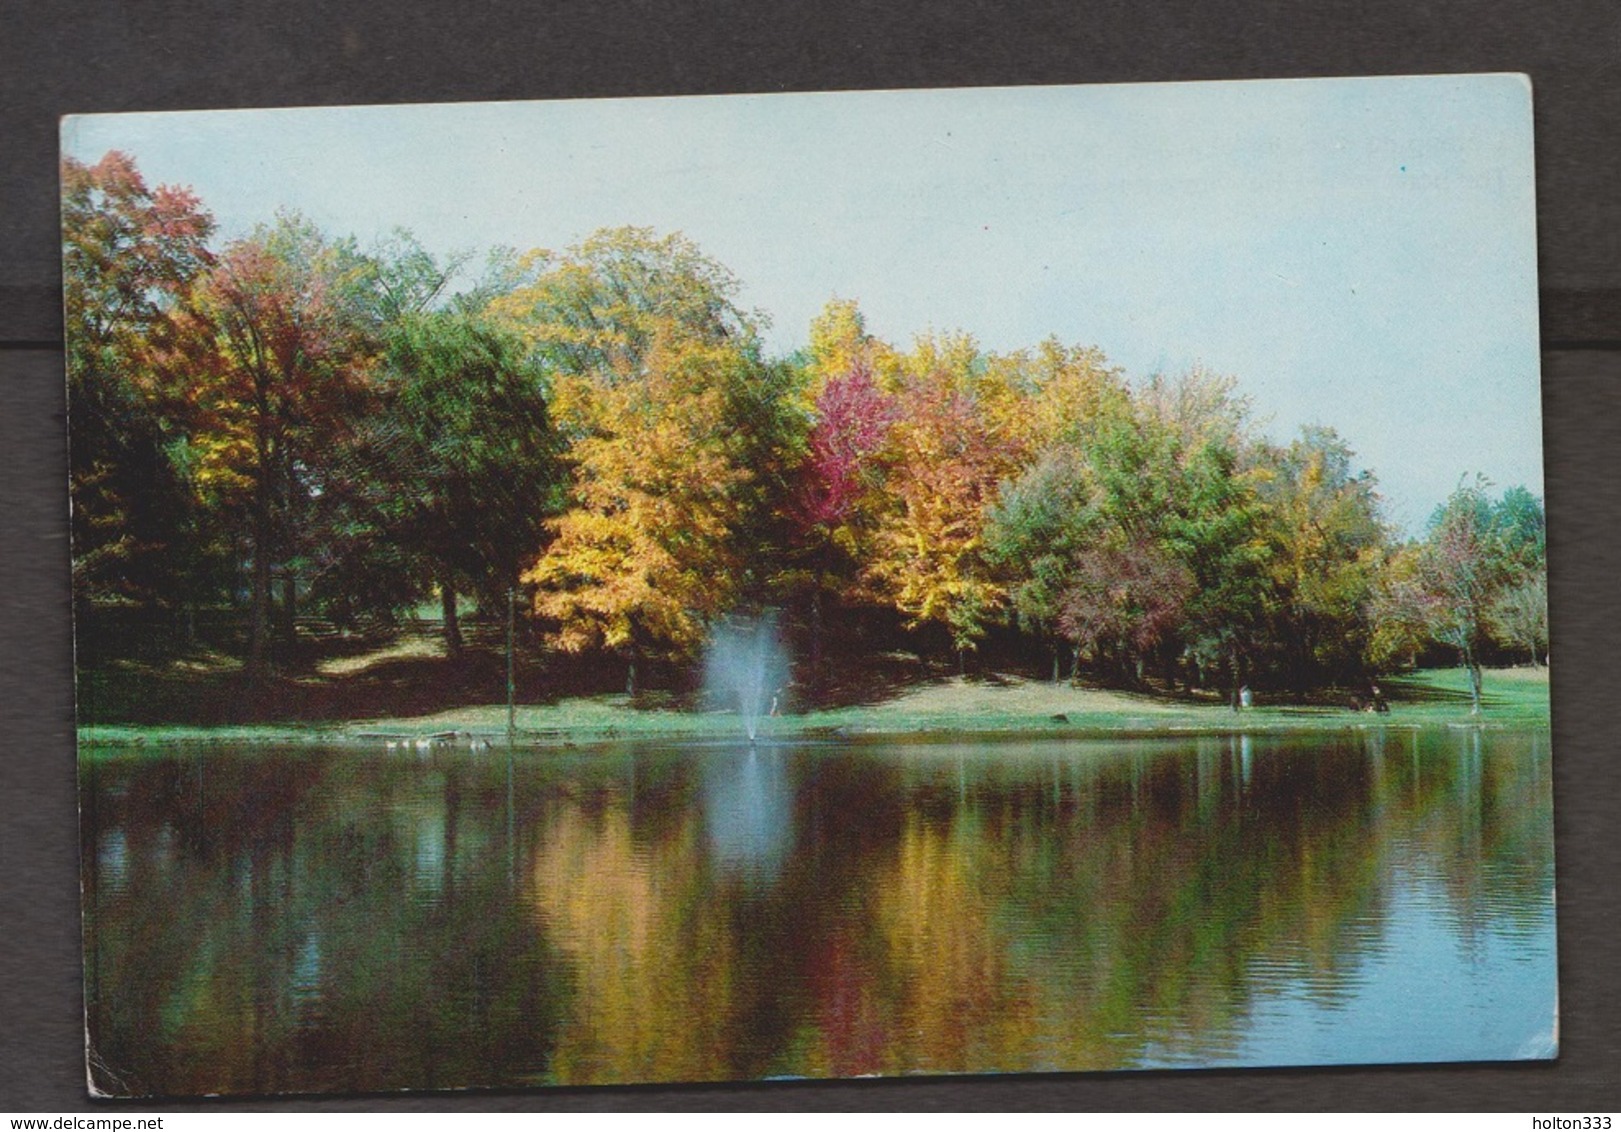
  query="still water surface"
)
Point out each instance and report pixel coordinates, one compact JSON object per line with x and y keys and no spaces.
{"x":355,"y":919}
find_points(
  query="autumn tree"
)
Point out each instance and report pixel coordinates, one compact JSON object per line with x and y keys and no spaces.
{"x":838,"y":343}
{"x":603,"y":424}
{"x":273,"y":362}
{"x":1519,"y":616}
{"x":852,"y":421}
{"x":1327,"y":544}
{"x":678,"y":438}
{"x":129,"y":256}
{"x":839,"y":480}
{"x":1398,"y":610}
{"x":1122,"y":600}
{"x":598,"y":308}
{"x":644,"y":558}
{"x":1036,"y":399}
{"x":928,"y":556}
{"x":1462,"y":569}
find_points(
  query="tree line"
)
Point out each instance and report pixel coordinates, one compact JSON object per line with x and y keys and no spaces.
{"x":293,"y":424}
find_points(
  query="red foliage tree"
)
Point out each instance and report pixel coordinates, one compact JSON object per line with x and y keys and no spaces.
{"x":129,"y":253}
{"x":1121,"y":601}
{"x":839,"y":477}
{"x":274,"y":364}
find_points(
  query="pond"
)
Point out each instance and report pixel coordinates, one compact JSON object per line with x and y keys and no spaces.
{"x":267,"y":920}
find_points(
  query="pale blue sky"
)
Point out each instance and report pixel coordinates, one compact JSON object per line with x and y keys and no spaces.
{"x":1359,"y":253}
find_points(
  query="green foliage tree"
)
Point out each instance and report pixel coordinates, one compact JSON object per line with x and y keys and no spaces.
{"x":1215,"y":532}
{"x":1170,"y":488}
{"x":400,"y":278}
{"x":455,"y":467}
{"x":1523,"y":527}
{"x":1519,"y":616}
{"x":1035,"y":532}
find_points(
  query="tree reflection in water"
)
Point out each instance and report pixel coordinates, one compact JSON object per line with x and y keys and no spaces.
{"x":323,"y":920}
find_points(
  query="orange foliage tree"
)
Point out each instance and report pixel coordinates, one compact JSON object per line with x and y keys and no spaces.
{"x":274,"y":361}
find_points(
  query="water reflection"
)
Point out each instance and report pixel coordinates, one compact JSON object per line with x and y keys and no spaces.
{"x":314,"y":920}
{"x":748,"y":810}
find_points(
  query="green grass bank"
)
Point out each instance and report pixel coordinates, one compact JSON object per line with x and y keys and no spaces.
{"x":965,"y":706}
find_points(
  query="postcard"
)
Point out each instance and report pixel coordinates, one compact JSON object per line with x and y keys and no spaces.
{"x":809,"y":586}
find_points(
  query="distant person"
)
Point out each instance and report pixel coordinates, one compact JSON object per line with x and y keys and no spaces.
{"x":1245,"y":700}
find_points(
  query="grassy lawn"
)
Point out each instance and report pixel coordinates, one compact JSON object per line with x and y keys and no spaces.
{"x":1507,"y":693}
{"x":1439,"y":697}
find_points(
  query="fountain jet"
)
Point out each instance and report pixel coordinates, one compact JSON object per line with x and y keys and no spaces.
{"x":747,"y":668}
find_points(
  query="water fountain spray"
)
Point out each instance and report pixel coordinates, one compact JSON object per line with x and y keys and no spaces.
{"x":747,"y":668}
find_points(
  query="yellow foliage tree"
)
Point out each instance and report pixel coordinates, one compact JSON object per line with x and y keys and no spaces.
{"x":644,"y":557}
{"x":946,"y":463}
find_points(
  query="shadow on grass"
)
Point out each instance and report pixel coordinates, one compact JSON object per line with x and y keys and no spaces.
{"x":328,"y":678}
{"x":1413,"y":691}
{"x":332,"y":678}
{"x":407,"y":675}
{"x":866,"y":680}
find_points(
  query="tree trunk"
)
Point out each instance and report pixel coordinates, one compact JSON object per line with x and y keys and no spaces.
{"x":259,"y":617}
{"x":512,"y":682}
{"x":263,"y":494}
{"x":453,"y":628}
{"x":289,"y":607}
{"x":816,"y":631}
{"x":1473,"y":664}
{"x":291,"y":514}
{"x":633,"y":654}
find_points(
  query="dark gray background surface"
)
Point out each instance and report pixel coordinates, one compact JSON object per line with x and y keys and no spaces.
{"x":85,"y":56}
